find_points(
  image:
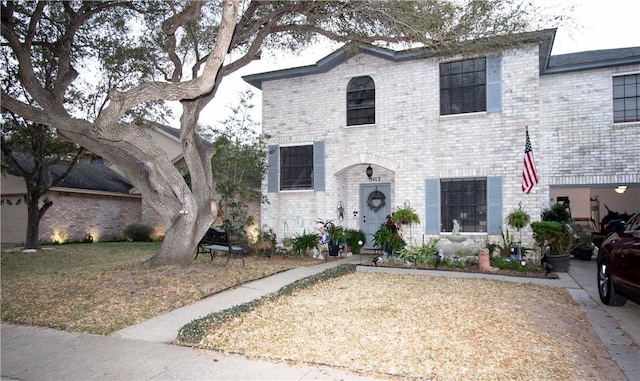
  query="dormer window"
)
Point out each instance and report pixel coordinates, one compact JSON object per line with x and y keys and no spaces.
{"x":361,"y":101}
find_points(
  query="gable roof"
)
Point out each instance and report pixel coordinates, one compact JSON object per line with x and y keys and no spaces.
{"x":91,"y":176}
{"x":594,"y":59}
{"x":544,"y":38}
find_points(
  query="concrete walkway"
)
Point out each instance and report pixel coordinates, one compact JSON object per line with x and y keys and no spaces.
{"x":142,"y":352}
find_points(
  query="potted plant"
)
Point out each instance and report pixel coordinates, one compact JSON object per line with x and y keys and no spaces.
{"x":265,"y":243}
{"x":388,"y":239}
{"x":305,"y":242}
{"x":336,"y":237}
{"x":558,"y":212}
{"x":518,"y":219}
{"x":353,"y":237}
{"x":556,"y":242}
{"x":405,"y":215}
{"x":584,"y":249}
{"x":287,"y":242}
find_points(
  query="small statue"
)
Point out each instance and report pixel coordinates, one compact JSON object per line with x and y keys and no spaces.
{"x":456,"y":227}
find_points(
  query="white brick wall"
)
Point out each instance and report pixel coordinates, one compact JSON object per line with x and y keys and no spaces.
{"x":569,"y":118}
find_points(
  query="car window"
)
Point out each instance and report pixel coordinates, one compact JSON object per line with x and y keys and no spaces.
{"x":633,"y":224}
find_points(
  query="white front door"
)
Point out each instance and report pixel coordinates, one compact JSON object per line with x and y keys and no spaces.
{"x":375,"y":206}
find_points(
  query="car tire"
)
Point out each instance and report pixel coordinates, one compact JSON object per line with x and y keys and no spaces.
{"x":606,"y":290}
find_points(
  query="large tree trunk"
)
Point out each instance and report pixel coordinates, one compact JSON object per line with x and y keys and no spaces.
{"x":34,"y":215}
{"x":182,"y":237}
{"x":178,"y":247}
{"x":33,"y":224}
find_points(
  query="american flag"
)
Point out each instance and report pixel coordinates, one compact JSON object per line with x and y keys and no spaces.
{"x":529,"y":175}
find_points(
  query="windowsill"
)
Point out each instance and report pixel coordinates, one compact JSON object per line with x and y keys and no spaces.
{"x":295,"y":190}
{"x":465,"y":115}
{"x":476,"y":234}
{"x":360,"y":126}
{"x":626,"y":124}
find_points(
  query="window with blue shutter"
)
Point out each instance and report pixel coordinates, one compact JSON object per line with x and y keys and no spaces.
{"x":475,"y":203}
{"x":465,"y":201}
{"x":296,"y":167}
{"x":463,"y":86}
{"x":472,"y":85}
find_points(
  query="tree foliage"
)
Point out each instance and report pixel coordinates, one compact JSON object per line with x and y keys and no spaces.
{"x":238,"y":165}
{"x":95,"y":69}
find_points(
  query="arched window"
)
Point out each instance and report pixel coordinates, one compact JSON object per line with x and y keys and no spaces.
{"x":361,"y":101}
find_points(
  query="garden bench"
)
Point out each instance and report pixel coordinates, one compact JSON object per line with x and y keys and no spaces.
{"x":217,"y":240}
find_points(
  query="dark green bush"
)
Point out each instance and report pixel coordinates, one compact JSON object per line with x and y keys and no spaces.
{"x":138,"y":232}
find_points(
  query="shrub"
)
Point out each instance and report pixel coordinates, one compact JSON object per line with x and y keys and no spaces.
{"x":353,"y":236}
{"x":302,"y":242}
{"x":422,"y":253}
{"x":138,"y":232}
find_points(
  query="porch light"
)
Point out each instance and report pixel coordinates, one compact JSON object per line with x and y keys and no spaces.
{"x":619,"y":189}
{"x":369,"y":171}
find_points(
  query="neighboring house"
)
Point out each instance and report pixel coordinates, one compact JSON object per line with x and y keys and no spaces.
{"x":94,"y":200}
{"x":371,"y":129}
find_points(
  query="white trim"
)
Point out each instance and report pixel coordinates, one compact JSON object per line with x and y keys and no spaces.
{"x":625,"y":73}
{"x":94,"y":192}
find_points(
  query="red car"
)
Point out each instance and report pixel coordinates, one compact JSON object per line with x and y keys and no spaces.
{"x":619,"y":264}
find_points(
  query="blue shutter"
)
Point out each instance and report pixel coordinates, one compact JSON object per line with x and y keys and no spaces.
{"x":432,"y":208}
{"x":494,"y":84}
{"x":273,"y":165}
{"x":494,"y":204}
{"x":318,"y":166}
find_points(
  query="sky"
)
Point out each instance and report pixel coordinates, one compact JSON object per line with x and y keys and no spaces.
{"x":596,"y":24}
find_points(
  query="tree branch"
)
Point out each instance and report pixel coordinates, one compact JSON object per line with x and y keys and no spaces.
{"x":122,"y":102}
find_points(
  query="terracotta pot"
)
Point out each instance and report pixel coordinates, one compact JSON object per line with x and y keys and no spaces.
{"x":483,"y":261}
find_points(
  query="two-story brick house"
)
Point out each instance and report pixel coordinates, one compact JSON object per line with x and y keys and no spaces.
{"x":369,"y":129}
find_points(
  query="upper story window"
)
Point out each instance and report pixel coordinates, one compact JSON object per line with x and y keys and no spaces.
{"x":296,"y":167}
{"x":464,"y":200}
{"x":626,"y":98}
{"x":463,"y":86}
{"x":361,"y":101}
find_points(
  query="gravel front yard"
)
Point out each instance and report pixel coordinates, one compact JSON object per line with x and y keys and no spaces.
{"x":416,"y":326}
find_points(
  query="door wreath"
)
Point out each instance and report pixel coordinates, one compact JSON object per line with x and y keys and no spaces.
{"x":376,"y":200}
